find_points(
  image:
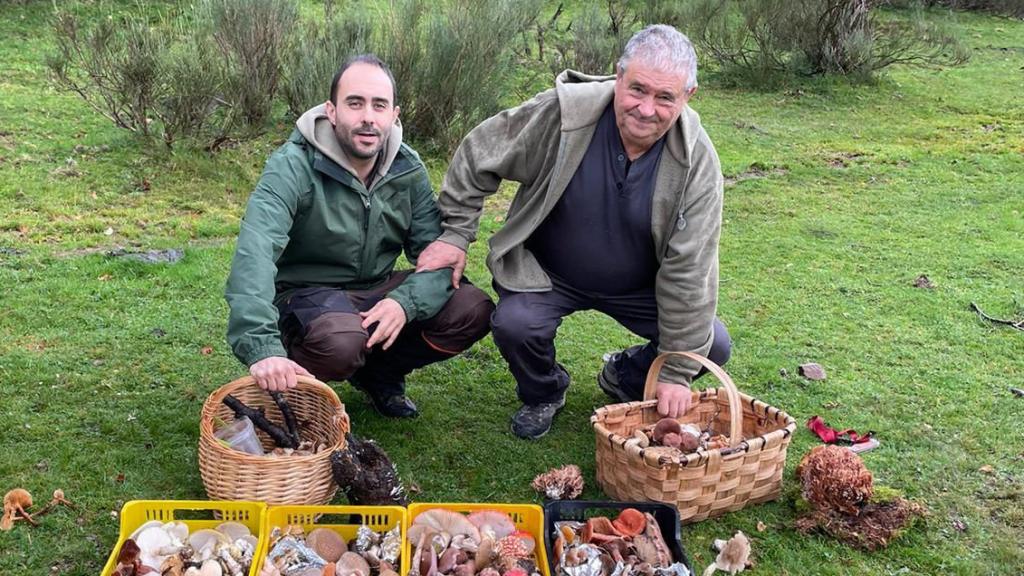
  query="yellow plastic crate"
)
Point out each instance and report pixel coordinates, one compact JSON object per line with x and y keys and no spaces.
{"x":526,"y":517}
{"x":138,"y":512}
{"x":379,"y":518}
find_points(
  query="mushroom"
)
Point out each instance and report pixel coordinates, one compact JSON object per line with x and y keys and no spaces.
{"x":563,"y":483}
{"x":630,"y":522}
{"x":492,"y":523}
{"x":733,"y":556}
{"x":327,"y":543}
{"x":617,"y":547}
{"x":663,"y":427}
{"x":439,"y":520}
{"x":598,"y":529}
{"x":450,"y":559}
{"x":352,"y":564}
{"x":233,"y":530}
{"x":15,"y":503}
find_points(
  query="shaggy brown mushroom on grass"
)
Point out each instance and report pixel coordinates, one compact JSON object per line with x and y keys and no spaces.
{"x":845,"y":504}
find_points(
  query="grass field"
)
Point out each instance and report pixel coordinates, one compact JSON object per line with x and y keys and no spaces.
{"x":839,"y":197}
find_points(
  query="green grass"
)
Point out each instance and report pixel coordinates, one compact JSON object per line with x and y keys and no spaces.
{"x":102,"y":374}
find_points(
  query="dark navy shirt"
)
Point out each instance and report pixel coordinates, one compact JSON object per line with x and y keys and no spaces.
{"x":598,"y":236}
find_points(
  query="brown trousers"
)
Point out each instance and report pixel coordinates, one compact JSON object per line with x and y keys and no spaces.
{"x":323,"y":332}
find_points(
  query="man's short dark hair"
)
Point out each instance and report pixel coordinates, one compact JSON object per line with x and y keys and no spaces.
{"x":364,"y":59}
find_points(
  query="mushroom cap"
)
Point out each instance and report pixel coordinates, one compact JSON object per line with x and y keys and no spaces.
{"x":18,"y":497}
{"x":351,"y":564}
{"x":327,"y":543}
{"x":734,"y":555}
{"x":493,"y":523}
{"x":203,"y":539}
{"x":439,"y":520}
{"x":665,"y":426}
{"x":233,"y":530}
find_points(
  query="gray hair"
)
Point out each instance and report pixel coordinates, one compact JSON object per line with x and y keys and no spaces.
{"x":664,"y":48}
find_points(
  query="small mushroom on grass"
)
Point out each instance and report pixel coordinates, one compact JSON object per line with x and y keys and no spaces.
{"x":16,"y":503}
{"x":732,"y":557}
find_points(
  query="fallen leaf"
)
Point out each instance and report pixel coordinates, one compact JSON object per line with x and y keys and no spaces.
{"x":206,"y":350}
{"x":987,"y":469}
{"x":104,"y":277}
{"x":761,"y":527}
{"x":119,"y":479}
{"x":959,"y":525}
{"x":831,"y":405}
{"x":132,"y":417}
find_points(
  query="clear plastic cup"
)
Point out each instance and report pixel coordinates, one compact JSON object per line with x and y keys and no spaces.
{"x":241,"y":435}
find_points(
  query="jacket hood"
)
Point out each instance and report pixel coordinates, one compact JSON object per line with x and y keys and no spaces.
{"x":318,"y":131}
{"x":584,"y":97}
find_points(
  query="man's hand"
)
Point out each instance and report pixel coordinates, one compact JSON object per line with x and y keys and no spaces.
{"x":673,"y":399}
{"x":277,"y":373}
{"x":440,"y":255}
{"x":389,"y":316}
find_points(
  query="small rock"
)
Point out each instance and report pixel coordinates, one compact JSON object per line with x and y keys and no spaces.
{"x":812,"y":371}
{"x":986,"y":469}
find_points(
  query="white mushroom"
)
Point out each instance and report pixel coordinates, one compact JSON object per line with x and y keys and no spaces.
{"x":155,"y":545}
{"x":733,"y":556}
{"x":233,"y":530}
{"x":211,"y":568}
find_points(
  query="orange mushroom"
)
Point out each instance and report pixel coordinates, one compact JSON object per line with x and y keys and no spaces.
{"x":630,"y":522}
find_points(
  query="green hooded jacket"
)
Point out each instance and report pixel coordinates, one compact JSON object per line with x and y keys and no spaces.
{"x":311,"y":222}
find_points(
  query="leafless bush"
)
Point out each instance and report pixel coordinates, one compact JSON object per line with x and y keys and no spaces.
{"x":113,"y":66}
{"x":593,"y":41}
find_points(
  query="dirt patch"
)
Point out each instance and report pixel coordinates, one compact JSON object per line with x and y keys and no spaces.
{"x":844,"y":159}
{"x":753,"y":173}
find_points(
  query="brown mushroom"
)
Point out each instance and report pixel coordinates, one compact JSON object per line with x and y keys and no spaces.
{"x":352,"y":564}
{"x":665,"y":426}
{"x":327,"y":543}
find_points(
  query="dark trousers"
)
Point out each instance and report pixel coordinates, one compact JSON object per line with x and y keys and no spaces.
{"x":323,"y":332}
{"x":524,"y":326}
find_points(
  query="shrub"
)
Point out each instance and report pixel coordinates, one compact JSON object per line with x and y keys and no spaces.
{"x":113,"y":66}
{"x":761,"y":38}
{"x":592,"y":43}
{"x":250,"y":37}
{"x":1006,"y":7}
{"x":451,"y":62}
{"x":314,"y":53}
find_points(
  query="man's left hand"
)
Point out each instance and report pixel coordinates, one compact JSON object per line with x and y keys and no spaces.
{"x":673,"y":399}
{"x":389,"y":316}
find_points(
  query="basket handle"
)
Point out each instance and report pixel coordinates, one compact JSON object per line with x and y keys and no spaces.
{"x":735,"y":408}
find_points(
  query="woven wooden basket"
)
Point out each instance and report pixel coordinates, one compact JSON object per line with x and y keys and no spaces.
{"x":233,"y":475}
{"x":706,"y":483}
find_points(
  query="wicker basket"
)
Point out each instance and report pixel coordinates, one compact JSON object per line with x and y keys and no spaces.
{"x":233,"y":475}
{"x":707,"y":483}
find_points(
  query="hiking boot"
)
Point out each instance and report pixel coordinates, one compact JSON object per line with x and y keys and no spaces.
{"x":533,"y":421}
{"x":392,"y":406}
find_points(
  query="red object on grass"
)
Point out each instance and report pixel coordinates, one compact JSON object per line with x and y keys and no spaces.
{"x":831,"y":436}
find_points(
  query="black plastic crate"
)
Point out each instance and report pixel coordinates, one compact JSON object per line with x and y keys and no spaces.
{"x":666,"y":515}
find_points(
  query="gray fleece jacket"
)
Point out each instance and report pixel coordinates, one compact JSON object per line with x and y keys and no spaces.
{"x":540,"y":144}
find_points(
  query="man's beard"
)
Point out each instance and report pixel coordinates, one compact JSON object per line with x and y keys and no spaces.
{"x":347,"y":140}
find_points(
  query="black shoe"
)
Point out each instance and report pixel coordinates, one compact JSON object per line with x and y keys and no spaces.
{"x":394,"y":406}
{"x":533,"y":421}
